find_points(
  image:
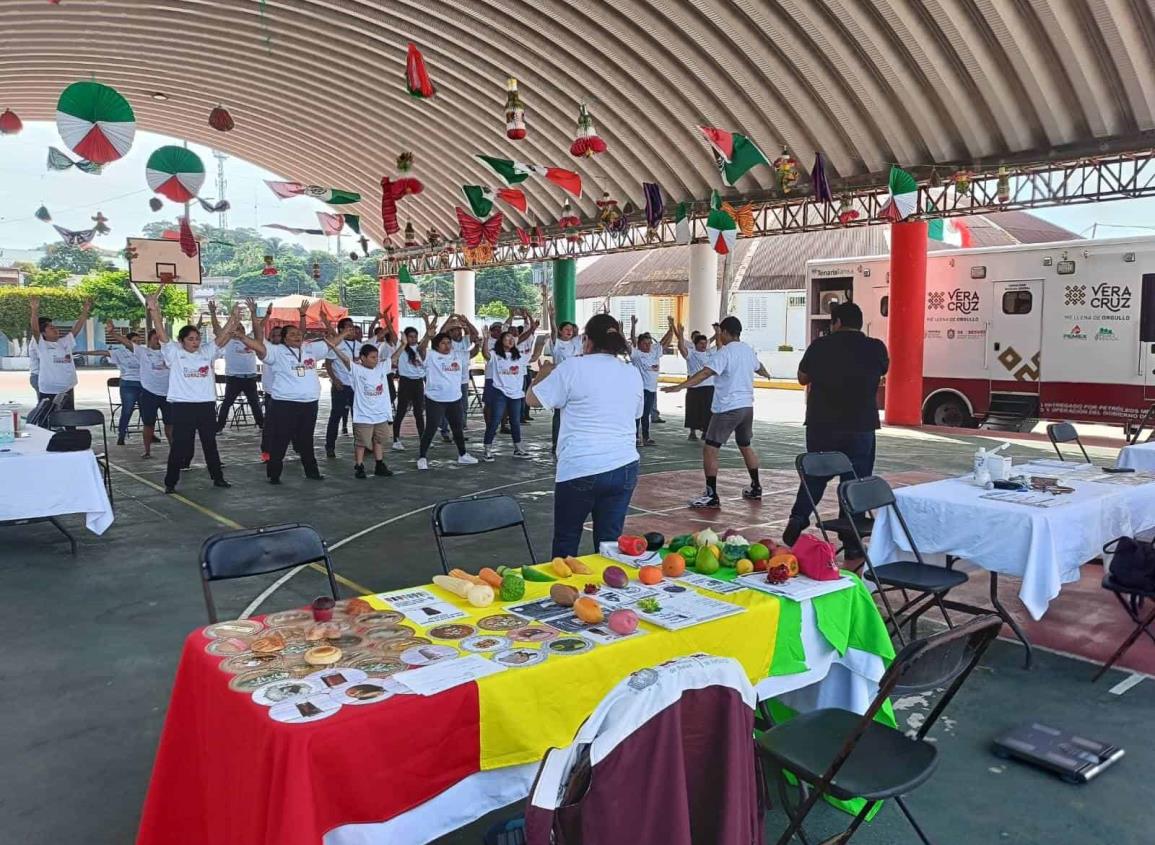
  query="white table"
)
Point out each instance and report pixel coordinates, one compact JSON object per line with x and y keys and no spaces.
{"x":1140,"y":456}
{"x":37,"y":484}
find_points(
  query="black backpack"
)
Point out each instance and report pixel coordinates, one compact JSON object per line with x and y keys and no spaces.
{"x":70,"y":440}
{"x":1133,"y":564}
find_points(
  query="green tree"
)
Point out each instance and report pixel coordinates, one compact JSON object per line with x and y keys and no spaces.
{"x":113,"y":299}
{"x":511,"y":285}
{"x":61,"y":256}
{"x":48,"y":278}
{"x":495,"y":310}
{"x":286,"y":281}
{"x":15,"y":313}
{"x":362,"y":294}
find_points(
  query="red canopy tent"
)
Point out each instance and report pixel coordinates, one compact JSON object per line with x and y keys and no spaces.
{"x":286,"y":312}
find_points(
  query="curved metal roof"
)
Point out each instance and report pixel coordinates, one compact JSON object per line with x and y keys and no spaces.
{"x":317,"y":86}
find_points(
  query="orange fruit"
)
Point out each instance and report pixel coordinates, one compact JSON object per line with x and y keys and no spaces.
{"x":673,"y":565}
{"x":650,"y":575}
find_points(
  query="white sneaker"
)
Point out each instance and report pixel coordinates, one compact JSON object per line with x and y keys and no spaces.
{"x":398,"y":446}
{"x":518,"y":452}
{"x":489,"y":454}
{"x":422,"y":463}
{"x":467,"y":459}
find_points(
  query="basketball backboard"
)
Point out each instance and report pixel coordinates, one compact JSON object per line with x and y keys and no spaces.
{"x":161,"y":262}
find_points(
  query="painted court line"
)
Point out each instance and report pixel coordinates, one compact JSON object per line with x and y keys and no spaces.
{"x":1127,"y":683}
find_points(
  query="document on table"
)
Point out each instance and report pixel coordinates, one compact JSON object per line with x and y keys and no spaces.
{"x":446,"y":674}
{"x":799,"y":588}
{"x":1124,"y":479}
{"x":1053,"y":467}
{"x":705,"y":582}
{"x":1030,"y":498}
{"x":684,"y":610}
{"x":422,"y":607}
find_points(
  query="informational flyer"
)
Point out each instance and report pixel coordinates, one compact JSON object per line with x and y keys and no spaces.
{"x":446,"y":674}
{"x":799,"y":588}
{"x":684,"y":610}
{"x":422,"y":607}
{"x":705,"y":582}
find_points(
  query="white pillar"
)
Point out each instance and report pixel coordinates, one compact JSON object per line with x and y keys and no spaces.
{"x":704,"y":296}
{"x":463,"y":292}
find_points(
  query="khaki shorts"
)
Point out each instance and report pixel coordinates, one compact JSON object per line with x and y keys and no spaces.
{"x":367,"y":434}
{"x":739,"y":422}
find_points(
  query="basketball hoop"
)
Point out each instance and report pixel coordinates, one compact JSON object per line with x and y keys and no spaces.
{"x":165,"y":277}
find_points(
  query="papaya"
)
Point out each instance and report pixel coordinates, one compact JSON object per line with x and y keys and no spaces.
{"x":588,"y":610}
{"x":561,"y":568}
{"x":577,"y":566}
{"x":784,"y":559}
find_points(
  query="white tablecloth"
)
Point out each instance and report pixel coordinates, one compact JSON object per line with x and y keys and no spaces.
{"x":1141,"y":456}
{"x":848,"y":681}
{"x":1043,"y":546}
{"x":35,"y":483}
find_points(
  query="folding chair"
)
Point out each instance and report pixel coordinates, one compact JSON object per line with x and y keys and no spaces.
{"x":1144,"y":424}
{"x":847,"y":755}
{"x":478,"y":515}
{"x":240,"y":408}
{"x":825,"y":466}
{"x":87,"y":418}
{"x":259,"y":551}
{"x":929,"y":583}
{"x":1132,"y":601}
{"x":1064,"y":432}
{"x":113,"y":404}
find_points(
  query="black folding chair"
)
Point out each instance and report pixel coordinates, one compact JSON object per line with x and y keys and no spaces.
{"x":478,"y":515}
{"x":1132,"y":601}
{"x":1144,"y":424}
{"x":1064,"y":432}
{"x":825,"y":466}
{"x":928,"y":583}
{"x":847,"y":755}
{"x":259,"y":551}
{"x":240,"y":408}
{"x":87,"y":418}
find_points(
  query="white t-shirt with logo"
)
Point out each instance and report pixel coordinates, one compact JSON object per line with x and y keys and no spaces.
{"x":352,"y":350}
{"x":239,"y":359}
{"x":695,"y":360}
{"x":385,"y":351}
{"x":57,"y":369}
{"x":602,"y":399}
{"x":153,"y":370}
{"x":371,"y":394}
{"x":461,"y":348}
{"x":191,"y":377}
{"x":648,"y":364}
{"x":735,"y":365}
{"x":443,"y":376}
{"x":409,"y":369}
{"x":126,"y":362}
{"x":509,"y":375}
{"x":490,"y":344}
{"x":294,"y":371}
{"x":563,"y":349}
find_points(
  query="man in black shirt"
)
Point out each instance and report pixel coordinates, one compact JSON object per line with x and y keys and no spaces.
{"x":841,"y":372}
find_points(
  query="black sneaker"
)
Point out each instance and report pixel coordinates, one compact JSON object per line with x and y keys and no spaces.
{"x":359,"y":471}
{"x":793,"y":530}
{"x":274,"y":481}
{"x":708,"y":499}
{"x":752,"y":492}
{"x":330,"y":453}
{"x":220,"y":482}
{"x":314,"y":476}
{"x":120,"y":441}
{"x":169,"y":490}
{"x":381,"y":469}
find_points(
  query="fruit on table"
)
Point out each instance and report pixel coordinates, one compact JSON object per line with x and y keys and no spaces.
{"x":563,"y":594}
{"x":745,"y":566}
{"x":465,"y":576}
{"x":673,"y":565}
{"x":512,"y":587}
{"x":623,"y":621}
{"x":561,"y":568}
{"x":615,"y":576}
{"x":705,"y":537}
{"x":689,"y":554}
{"x":654,"y":541}
{"x":631,"y":545}
{"x":706,"y":562}
{"x":588,"y":610}
{"x":590,"y":589}
{"x":778,"y":574}
{"x":478,"y":595}
{"x":758,"y":551}
{"x":531,"y":574}
{"x":577,"y":566}
{"x":733,"y":552}
{"x":682,"y":540}
{"x":490,"y":577}
{"x":650,"y":575}
{"x":784,"y":559}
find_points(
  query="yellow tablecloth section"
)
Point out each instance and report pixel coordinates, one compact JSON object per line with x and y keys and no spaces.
{"x":525,"y":712}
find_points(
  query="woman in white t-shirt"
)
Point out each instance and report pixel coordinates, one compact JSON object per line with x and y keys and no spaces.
{"x":55,"y":351}
{"x":443,"y":367}
{"x":372,"y":411}
{"x":698,"y":399}
{"x":565,"y":343}
{"x":646,"y":356}
{"x":128,"y":364}
{"x":597,"y":459}
{"x":507,"y":365}
{"x":409,"y":359}
{"x":153,"y":390}
{"x":240,"y":369}
{"x":192,"y":395}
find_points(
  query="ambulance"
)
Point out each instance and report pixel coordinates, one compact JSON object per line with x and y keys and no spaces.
{"x":1014,"y":334}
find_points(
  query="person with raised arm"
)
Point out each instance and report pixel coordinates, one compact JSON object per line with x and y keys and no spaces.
{"x":382,"y":336}
{"x":699,"y":398}
{"x":372,"y":411}
{"x":443,"y":391}
{"x":409,"y":360}
{"x":128,"y":365}
{"x":466,"y":342}
{"x":508,"y":392}
{"x":340,"y":379}
{"x":240,"y":369}
{"x":56,"y":351}
{"x":646,"y":355}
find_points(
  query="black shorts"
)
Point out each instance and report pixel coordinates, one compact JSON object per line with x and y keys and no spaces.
{"x":150,"y":404}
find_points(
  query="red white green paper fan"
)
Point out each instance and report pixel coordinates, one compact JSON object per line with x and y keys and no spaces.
{"x":95,"y":121}
{"x":903,"y":196}
{"x":175,"y":173}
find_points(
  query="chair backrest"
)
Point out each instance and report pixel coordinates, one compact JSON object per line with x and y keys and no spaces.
{"x":114,"y":381}
{"x":74,"y":419}
{"x":863,"y":495}
{"x":823,"y":464}
{"x":1064,"y":432}
{"x":478,"y":515}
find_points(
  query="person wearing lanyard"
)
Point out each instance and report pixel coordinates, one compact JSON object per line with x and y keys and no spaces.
{"x":240,"y":370}
{"x":340,"y":380}
{"x":55,"y":351}
{"x":128,"y":363}
{"x":294,"y":392}
{"x":386,"y":343}
{"x":647,"y":357}
{"x":409,"y":359}
{"x":698,"y":399}
{"x":466,"y":341}
{"x":443,"y":366}
{"x":597,"y":459}
{"x":192,"y":394}
{"x":508,"y":391}
{"x":372,"y":411}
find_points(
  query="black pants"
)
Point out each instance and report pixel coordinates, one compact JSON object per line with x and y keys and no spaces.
{"x":190,"y":420}
{"x":466,"y":387}
{"x":234,"y":387}
{"x":450,"y":412}
{"x":342,"y":399}
{"x":410,"y":392}
{"x":556,"y":429}
{"x":392,"y":381}
{"x":290,"y":422}
{"x":856,"y":445}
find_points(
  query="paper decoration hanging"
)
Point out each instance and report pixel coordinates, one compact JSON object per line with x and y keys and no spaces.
{"x":514,"y":112}
{"x":353,"y":221}
{"x":416,"y":77}
{"x":475,"y":232}
{"x":82,"y":237}
{"x":516,"y":172}
{"x":101,"y":227}
{"x":523,"y":239}
{"x":1003,"y":186}
{"x":481,"y":198}
{"x":655,"y":204}
{"x":721,"y":230}
{"x":176,"y":173}
{"x":59,"y":161}
{"x":155,"y":203}
{"x":433,"y":237}
{"x":846,"y":211}
{"x":743,"y":217}
{"x":587,"y":143}
{"x":270,"y":269}
{"x":292,"y":230}
{"x":214,"y":207}
{"x":569,"y":223}
{"x":42,"y":214}
{"x":903,"y":196}
{"x":331,"y":224}
{"x":333,"y":196}
{"x":785,"y":172}
{"x":10,"y":123}
{"x":734,"y":154}
{"x":394,"y":189}
{"x":682,"y":224}
{"x":188,"y":241}
{"x":962,"y":182}
{"x":95,"y":121}
{"x":410,"y":235}
{"x":819,"y":182}
{"x":221,"y":120}
{"x":610,"y":216}
{"x":410,"y":292}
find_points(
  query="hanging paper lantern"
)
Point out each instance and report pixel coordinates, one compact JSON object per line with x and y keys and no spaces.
{"x":587,"y":143}
{"x":785,"y":172}
{"x":95,"y":121}
{"x":316,"y":271}
{"x":410,"y":234}
{"x":847,"y":211}
{"x":818,"y":180}
{"x":43,"y":215}
{"x":569,"y":223}
{"x":1003,"y":190}
{"x":962,"y":182}
{"x":10,"y":123}
{"x":175,"y":173}
{"x":903,"y":196}
{"x":514,"y":112}
{"x":416,"y":77}
{"x":221,"y":120}
{"x":155,"y":204}
{"x":270,"y":268}
{"x":101,"y":222}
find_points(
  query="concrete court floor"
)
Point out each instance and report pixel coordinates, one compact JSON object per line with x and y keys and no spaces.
{"x":96,"y":638}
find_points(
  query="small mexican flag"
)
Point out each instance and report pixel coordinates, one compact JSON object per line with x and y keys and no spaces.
{"x":734,"y":153}
{"x":903,"y":196}
{"x":482,"y":198}
{"x":410,"y":292}
{"x":511,"y":172}
{"x":682,"y":224}
{"x":516,"y":172}
{"x":333,"y":196}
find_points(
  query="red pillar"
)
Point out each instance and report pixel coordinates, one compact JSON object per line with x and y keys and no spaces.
{"x":388,"y":294}
{"x":906,"y":328}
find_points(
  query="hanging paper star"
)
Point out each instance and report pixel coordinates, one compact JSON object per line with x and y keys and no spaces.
{"x":743,"y":217}
{"x":903,"y":196}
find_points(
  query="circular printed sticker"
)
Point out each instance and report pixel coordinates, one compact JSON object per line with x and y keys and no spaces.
{"x":379,"y":667}
{"x":248,"y":661}
{"x":485,"y":643}
{"x":379,"y":617}
{"x":452,"y":631}
{"x":569,"y":645}
{"x":520,"y":657}
{"x":532,"y":634}
{"x":366,"y":692}
{"x":338,"y":677}
{"x":227,"y":646}
{"x":288,"y":617}
{"x":251,"y":680}
{"x":501,"y":622}
{"x":386,"y":634}
{"x":398,"y":646}
{"x":289,"y":690}
{"x":346,"y":642}
{"x":305,"y":709}
{"x":233,"y":628}
{"x":423,"y":655}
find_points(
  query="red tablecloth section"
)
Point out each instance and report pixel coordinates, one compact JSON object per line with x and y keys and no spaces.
{"x":227,"y":774}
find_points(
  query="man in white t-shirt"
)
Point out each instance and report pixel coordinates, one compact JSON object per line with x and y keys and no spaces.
{"x":341,"y":379}
{"x":240,"y":369}
{"x":646,"y":356}
{"x":55,"y":351}
{"x":733,"y":367}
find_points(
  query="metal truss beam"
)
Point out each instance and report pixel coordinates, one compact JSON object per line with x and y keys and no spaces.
{"x":1083,"y":180}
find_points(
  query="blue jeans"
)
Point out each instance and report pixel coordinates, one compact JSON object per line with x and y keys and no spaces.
{"x":129,"y":396}
{"x":856,"y":445}
{"x":605,"y":495}
{"x":649,"y":403}
{"x":499,"y":404}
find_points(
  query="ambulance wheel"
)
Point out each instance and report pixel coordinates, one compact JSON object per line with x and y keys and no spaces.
{"x":949,"y":411}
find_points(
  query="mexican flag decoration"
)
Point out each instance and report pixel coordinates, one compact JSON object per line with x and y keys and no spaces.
{"x":333,"y":196}
{"x":721,"y":230}
{"x":416,"y":77}
{"x":95,"y":121}
{"x":410,"y":292}
{"x":59,"y":161}
{"x":353,"y":221}
{"x":482,"y":198}
{"x":735,"y":154}
{"x":331,"y":224}
{"x":682,"y":224}
{"x":516,"y":172}
{"x":903,"y":196}
{"x":175,"y":173}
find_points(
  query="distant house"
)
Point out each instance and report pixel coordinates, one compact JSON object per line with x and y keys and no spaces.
{"x":11,"y":276}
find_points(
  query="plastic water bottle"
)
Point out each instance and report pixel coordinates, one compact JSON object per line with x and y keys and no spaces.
{"x":7,"y":425}
{"x":980,"y":467}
